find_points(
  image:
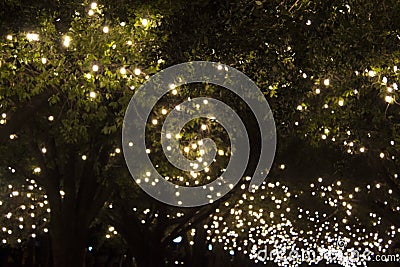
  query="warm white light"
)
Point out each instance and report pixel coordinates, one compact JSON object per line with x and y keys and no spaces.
{"x":371,"y":73}
{"x":326,"y":82}
{"x":137,"y":71}
{"x":129,"y":42}
{"x":32,"y":37}
{"x":389,"y":99}
{"x":174,"y":92}
{"x":88,"y":76}
{"x":154,"y":122}
{"x":145,"y":22}
{"x":221,"y":152}
{"x":92,"y":94}
{"x":37,"y":170}
{"x":204,"y":127}
{"x":384,"y":80}
{"x":106,"y":29}
{"x":67,"y":41}
{"x":44,"y":150}
{"x":9,"y":37}
{"x":84,"y":157}
{"x":93,"y":5}
{"x":95,"y":68}
{"x":317,"y":91}
{"x":341,"y":102}
{"x":362,"y":149}
{"x":91,"y":12}
{"x":381,"y":155}
{"x":163,"y":111}
{"x":122,"y":71}
{"x":299,"y":107}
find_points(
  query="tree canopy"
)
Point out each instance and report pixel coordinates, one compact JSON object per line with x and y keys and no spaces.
{"x":329,"y":71}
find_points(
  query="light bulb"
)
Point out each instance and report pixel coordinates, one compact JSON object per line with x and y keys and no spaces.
{"x":67,"y":41}
{"x":389,"y":99}
{"x":145,"y":22}
{"x":32,"y":37}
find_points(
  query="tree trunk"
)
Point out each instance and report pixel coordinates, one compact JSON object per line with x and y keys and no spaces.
{"x":68,"y":242}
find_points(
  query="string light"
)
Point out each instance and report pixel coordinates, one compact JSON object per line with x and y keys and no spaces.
{"x":67,"y":41}
{"x":145,"y":22}
{"x":32,"y":37}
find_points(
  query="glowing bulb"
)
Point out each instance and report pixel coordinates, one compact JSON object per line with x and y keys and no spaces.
{"x":92,"y":94}
{"x":389,"y":99}
{"x":362,"y":149}
{"x":299,"y":107}
{"x":9,"y":37}
{"x":106,"y":29}
{"x":44,"y":60}
{"x":137,"y":71}
{"x":84,"y":157}
{"x":32,"y":37}
{"x":186,"y":149}
{"x":341,"y":102}
{"x":381,"y":155}
{"x":44,"y":150}
{"x":371,"y":73}
{"x":93,"y":5}
{"x":67,"y":41}
{"x":122,"y":71}
{"x":221,"y":152}
{"x":50,"y":118}
{"x":90,"y":12}
{"x":174,"y":92}
{"x":384,"y":80}
{"x":154,"y":122}
{"x":145,"y":22}
{"x":88,"y":76}
{"x":95,"y":68}
{"x":204,"y":127}
{"x":317,"y":91}
{"x":326,"y":82}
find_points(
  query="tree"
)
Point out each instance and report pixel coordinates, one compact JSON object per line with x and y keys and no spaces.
{"x":329,"y":71}
{"x":62,"y":98}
